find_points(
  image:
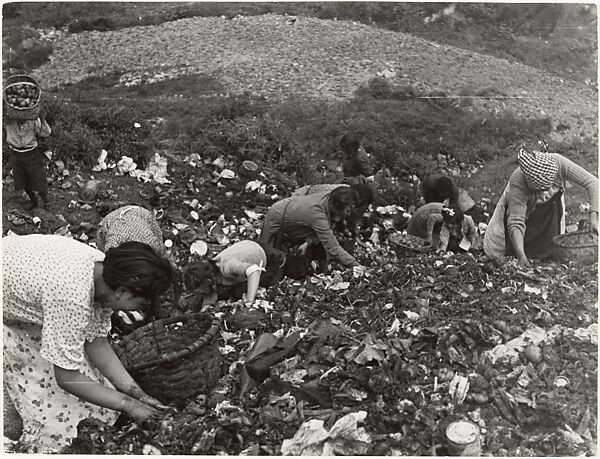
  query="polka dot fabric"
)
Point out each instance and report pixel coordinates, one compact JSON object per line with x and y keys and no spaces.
{"x":48,"y":314}
{"x":129,"y":223}
{"x":50,"y":415}
{"x":48,"y":281}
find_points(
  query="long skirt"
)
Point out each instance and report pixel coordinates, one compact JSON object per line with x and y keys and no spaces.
{"x":50,"y":415}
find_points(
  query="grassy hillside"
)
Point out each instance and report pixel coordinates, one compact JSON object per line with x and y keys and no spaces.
{"x":405,"y":133}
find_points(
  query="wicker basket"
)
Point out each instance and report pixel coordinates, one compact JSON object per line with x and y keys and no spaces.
{"x":407,"y":241}
{"x":174,"y":359}
{"x":21,"y":113}
{"x":579,"y":246}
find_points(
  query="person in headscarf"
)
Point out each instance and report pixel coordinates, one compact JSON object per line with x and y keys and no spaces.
{"x":126,"y":224}
{"x":530,"y":212}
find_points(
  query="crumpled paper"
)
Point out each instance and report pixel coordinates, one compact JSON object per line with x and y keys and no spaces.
{"x":344,"y":438}
{"x":126,"y":165}
{"x":155,"y":170}
{"x":101,"y":166}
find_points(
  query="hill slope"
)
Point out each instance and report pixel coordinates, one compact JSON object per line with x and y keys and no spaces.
{"x":321,"y":59}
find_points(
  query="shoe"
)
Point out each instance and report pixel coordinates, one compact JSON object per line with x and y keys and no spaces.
{"x":259,"y":367}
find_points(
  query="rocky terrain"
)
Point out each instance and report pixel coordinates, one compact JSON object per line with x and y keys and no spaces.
{"x":280,"y":56}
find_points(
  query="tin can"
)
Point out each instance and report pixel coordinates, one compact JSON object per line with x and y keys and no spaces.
{"x":463,"y":439}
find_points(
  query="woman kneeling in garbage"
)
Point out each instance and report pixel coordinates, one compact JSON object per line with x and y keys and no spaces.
{"x":235,"y":273}
{"x":530,"y":212}
{"x":59,"y":367}
{"x":309,"y":220}
{"x":443,"y":227}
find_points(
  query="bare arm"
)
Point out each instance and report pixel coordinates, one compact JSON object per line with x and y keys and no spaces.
{"x":516,"y":239}
{"x":252,"y":285}
{"x":75,"y":383}
{"x":102,"y":355}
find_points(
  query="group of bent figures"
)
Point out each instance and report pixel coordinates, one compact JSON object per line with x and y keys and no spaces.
{"x":59,"y":294}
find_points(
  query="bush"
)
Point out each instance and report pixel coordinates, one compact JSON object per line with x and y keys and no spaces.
{"x":81,"y":131}
{"x":101,"y":24}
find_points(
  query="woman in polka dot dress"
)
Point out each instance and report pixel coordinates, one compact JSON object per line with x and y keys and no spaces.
{"x":59,"y":368}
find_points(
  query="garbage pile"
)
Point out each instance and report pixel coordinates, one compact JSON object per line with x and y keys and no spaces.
{"x":386,"y":361}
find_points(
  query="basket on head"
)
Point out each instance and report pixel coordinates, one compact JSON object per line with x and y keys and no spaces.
{"x":579,"y":246}
{"x":174,"y":359}
{"x":29,"y":112}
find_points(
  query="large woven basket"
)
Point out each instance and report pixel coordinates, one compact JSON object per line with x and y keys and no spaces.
{"x":406,"y":241}
{"x":174,"y":359}
{"x":21,"y":113}
{"x":579,"y":246}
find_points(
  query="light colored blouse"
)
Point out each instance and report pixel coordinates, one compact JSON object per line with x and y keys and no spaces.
{"x":48,"y":280}
{"x":240,"y":260}
{"x":22,"y":136}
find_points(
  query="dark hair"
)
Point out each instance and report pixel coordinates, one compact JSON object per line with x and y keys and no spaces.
{"x":138,"y":268}
{"x":342,"y":197}
{"x":445,"y":187}
{"x":364,"y":194}
{"x":199,"y":279}
{"x":350,"y":142}
{"x":198,"y":273}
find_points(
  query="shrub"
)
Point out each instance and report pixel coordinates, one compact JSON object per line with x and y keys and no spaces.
{"x":102,"y":24}
{"x":81,"y":131}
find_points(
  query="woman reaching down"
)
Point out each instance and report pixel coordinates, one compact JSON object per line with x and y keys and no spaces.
{"x":59,"y":368}
{"x":530,"y":212}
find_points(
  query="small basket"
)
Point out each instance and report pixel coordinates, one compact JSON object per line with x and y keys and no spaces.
{"x":21,"y":113}
{"x":579,"y":246}
{"x":407,"y":241}
{"x":174,"y":359}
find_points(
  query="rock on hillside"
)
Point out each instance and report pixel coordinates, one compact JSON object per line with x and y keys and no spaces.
{"x":273,"y":56}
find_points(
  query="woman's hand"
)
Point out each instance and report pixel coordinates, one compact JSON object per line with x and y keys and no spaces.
{"x":139,"y":411}
{"x":524,"y":262}
{"x":137,"y":393}
{"x":148,"y":400}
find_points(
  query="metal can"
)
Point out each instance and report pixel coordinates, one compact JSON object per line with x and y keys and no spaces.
{"x":463,"y":439}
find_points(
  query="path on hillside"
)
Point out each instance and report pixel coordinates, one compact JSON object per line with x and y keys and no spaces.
{"x":322,"y":59}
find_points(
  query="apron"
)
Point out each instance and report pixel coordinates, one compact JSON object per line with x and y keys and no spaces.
{"x":542,"y":225}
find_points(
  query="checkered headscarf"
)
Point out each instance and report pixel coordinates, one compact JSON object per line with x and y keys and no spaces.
{"x":539,"y":168}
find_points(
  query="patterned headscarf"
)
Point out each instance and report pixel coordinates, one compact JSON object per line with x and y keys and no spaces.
{"x":539,"y":168}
